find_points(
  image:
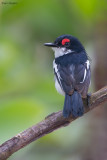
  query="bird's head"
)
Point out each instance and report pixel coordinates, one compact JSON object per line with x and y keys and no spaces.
{"x":66,"y":44}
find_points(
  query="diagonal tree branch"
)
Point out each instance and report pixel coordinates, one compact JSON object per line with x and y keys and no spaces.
{"x":48,"y":125}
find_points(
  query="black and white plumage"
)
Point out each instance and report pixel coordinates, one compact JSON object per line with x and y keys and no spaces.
{"x":72,"y":73}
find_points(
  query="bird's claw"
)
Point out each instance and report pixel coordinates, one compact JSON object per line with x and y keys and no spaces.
{"x":88,"y":99}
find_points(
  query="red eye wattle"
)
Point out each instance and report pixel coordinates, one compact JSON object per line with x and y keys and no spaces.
{"x":65,"y":40}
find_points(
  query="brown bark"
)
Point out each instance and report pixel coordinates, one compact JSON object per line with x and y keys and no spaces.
{"x":49,"y":124}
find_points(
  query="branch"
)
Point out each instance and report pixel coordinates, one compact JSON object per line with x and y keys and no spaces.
{"x":48,"y":125}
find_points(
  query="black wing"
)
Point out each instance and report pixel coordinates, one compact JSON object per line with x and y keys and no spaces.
{"x":74,"y":77}
{"x":82,"y":77}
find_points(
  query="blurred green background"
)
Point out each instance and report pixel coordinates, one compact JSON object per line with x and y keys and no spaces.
{"x":27,"y":92}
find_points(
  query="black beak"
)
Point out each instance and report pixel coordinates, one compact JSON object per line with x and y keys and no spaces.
{"x":50,"y":44}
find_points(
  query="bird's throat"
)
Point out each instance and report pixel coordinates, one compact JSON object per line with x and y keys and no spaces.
{"x":60,"y":51}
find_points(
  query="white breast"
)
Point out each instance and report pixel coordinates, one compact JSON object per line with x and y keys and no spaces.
{"x":58,"y":88}
{"x":57,"y":85}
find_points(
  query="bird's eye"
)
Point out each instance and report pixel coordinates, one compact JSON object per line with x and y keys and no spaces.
{"x":65,"y":42}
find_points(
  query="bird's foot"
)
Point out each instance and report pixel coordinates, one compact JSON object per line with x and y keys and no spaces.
{"x":88,"y":99}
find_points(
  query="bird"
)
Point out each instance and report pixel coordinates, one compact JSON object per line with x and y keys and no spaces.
{"x":72,"y":73}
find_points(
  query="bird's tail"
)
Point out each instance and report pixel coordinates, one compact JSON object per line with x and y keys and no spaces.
{"x":73,"y":105}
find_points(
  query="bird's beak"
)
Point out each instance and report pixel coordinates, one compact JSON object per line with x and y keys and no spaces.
{"x":50,"y":44}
